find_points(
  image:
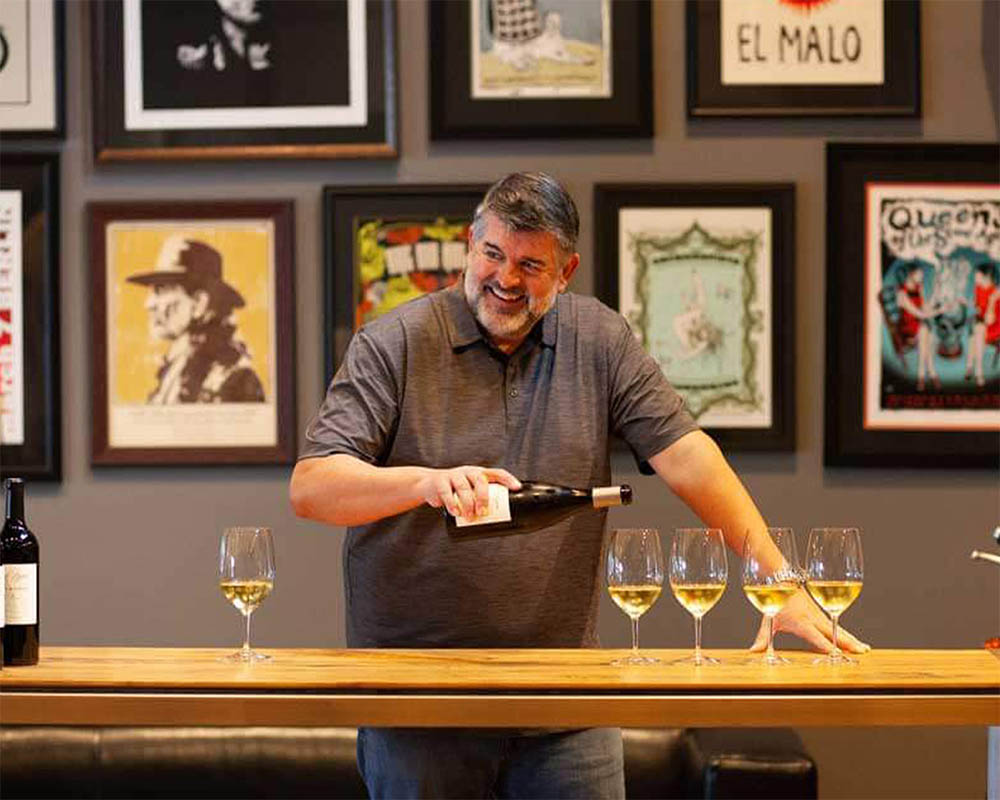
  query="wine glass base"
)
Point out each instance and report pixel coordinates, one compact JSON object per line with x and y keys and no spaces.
{"x":697,"y":660}
{"x":833,"y":660}
{"x":629,"y":661}
{"x":245,"y":657}
{"x":774,"y":660}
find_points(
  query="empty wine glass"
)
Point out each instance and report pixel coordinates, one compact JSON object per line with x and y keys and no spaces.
{"x":771,"y":575}
{"x":634,"y":564}
{"x":246,"y":577}
{"x":698,"y":575}
{"x":834,"y":575}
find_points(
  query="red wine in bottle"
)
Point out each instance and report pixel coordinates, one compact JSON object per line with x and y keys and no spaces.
{"x":533,"y":507}
{"x":20,"y":560}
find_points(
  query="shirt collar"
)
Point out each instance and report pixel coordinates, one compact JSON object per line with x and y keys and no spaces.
{"x":463,"y":329}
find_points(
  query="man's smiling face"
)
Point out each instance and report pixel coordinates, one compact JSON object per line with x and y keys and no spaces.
{"x":512,"y":279}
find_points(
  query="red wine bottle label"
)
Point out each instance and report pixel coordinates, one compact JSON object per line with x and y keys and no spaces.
{"x":21,"y":593}
{"x":3,"y":595}
{"x":499,"y":510}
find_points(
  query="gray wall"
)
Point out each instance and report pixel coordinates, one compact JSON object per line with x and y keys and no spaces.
{"x":129,"y":554}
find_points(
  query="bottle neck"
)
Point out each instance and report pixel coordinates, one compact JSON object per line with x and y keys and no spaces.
{"x":15,"y":502}
{"x":606,"y":496}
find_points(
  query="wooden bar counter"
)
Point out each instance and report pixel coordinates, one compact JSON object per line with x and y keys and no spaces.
{"x":496,"y":688}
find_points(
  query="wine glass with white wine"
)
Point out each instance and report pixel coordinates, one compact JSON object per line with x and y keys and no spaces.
{"x":698,"y":575}
{"x":634,"y":564}
{"x":835,"y":572}
{"x":246,"y":577}
{"x":771,"y":575}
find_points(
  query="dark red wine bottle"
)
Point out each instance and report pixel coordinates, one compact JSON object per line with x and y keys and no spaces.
{"x":20,"y":560}
{"x":533,"y":507}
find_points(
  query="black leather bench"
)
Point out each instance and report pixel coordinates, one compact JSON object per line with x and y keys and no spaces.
{"x":294,"y":762}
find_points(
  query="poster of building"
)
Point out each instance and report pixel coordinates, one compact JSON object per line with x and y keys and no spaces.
{"x":540,"y":48}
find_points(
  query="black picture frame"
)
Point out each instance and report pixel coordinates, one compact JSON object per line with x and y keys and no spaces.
{"x":41,"y":114}
{"x":854,"y":171}
{"x":36,"y":176}
{"x":897,"y":96}
{"x":456,"y":114}
{"x":273,"y":138}
{"x":610,"y":200}
{"x":345,"y":209}
{"x":266,"y":226}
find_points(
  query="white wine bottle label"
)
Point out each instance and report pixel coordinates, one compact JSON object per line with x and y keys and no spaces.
{"x":3,"y":595}
{"x":21,"y":593}
{"x":499,"y":510}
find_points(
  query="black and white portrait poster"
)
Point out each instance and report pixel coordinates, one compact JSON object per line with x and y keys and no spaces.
{"x":802,"y":42}
{"x":932,"y":306}
{"x":204,"y":64}
{"x":11,"y":321}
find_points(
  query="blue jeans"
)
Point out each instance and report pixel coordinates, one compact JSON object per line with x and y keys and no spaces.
{"x":461,"y":763}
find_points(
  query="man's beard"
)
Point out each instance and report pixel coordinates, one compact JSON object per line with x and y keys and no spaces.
{"x":505,"y":325}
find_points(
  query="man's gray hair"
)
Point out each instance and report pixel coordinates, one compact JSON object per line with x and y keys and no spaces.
{"x":530,"y":201}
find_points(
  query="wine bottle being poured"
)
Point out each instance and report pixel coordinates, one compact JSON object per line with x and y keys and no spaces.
{"x":532,"y":507}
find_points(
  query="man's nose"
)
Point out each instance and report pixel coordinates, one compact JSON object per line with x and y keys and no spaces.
{"x":509,"y":274}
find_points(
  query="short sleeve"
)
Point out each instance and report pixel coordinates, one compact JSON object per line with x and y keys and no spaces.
{"x":359,"y":414}
{"x":646,"y":411}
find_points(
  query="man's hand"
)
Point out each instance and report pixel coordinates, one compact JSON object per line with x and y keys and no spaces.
{"x":803,"y":618}
{"x":463,"y":491}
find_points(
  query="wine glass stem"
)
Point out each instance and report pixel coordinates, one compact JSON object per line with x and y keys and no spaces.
{"x":697,"y":640}
{"x":635,"y":636}
{"x":836,"y":648}
{"x":246,"y":637}
{"x":770,"y":637}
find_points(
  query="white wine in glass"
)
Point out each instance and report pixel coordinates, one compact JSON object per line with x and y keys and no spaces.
{"x":771,"y":575}
{"x":246,"y":577}
{"x":698,"y":575}
{"x":835,"y":572}
{"x":634,"y":568}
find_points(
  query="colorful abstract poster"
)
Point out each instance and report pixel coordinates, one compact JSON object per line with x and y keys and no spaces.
{"x":398,"y":260}
{"x":11,"y":320}
{"x":540,"y":48}
{"x":191,"y":333}
{"x":695,"y":285}
{"x":796,"y":42}
{"x":932,"y":306}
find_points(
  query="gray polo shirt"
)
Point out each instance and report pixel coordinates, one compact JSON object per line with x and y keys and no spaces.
{"x":422,"y":386}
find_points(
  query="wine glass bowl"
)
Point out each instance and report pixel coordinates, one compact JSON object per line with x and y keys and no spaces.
{"x":634,"y":569}
{"x":246,"y":577}
{"x":771,"y":576}
{"x":834,"y":577}
{"x":698,"y":575}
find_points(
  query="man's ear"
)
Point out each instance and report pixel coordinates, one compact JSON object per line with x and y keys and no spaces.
{"x":567,"y":271}
{"x":201,"y":302}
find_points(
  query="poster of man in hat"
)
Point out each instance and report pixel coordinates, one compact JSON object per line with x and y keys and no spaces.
{"x":191,"y":350}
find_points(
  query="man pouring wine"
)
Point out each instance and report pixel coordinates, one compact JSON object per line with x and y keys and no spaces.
{"x":509,"y":376}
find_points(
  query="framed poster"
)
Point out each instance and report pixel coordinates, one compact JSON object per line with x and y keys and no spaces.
{"x":32,"y":68}
{"x":913,"y":305}
{"x":192,"y":352}
{"x":385,"y":245}
{"x":29,"y":316}
{"x":772,"y":58}
{"x":704,"y":274}
{"x":184,"y":79}
{"x":540,"y":68}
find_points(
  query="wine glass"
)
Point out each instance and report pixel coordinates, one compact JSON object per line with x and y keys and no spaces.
{"x":834,"y":575}
{"x":246,"y":577}
{"x":771,"y":575}
{"x":698,"y":575}
{"x":634,"y":563}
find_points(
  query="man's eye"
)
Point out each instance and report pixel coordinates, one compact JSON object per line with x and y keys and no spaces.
{"x":493,"y":255}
